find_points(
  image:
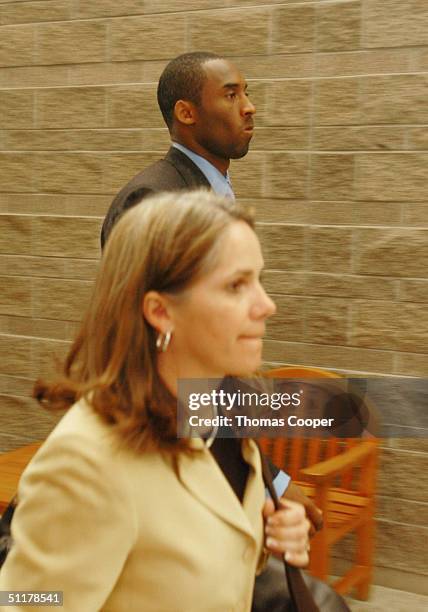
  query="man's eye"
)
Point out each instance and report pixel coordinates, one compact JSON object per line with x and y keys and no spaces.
{"x":231,"y":95}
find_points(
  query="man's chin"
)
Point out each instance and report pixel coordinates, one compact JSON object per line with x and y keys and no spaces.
{"x":241,"y":153}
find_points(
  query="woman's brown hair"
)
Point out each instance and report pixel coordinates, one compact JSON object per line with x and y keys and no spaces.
{"x":163,"y":244}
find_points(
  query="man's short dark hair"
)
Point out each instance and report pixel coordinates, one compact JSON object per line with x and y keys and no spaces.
{"x":182,"y":79}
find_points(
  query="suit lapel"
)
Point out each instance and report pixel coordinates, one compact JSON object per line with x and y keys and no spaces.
{"x":203,"y":478}
{"x":189,"y":172}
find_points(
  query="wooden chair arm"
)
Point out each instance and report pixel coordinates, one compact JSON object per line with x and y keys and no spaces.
{"x":325,"y":471}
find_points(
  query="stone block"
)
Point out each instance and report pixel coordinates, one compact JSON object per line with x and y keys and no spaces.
{"x":338,"y":26}
{"x":283,"y":246}
{"x":80,"y":140}
{"x":283,"y":283}
{"x":289,"y":103}
{"x":344,"y":285}
{"x":15,"y":385}
{"x":336,"y":101}
{"x":329,"y":285}
{"x":82,"y":269}
{"x":16,"y":109}
{"x":32,"y":76}
{"x":414,"y":290}
{"x":247,"y":176}
{"x":145,"y":38}
{"x":16,"y":172}
{"x":17,"y":46}
{"x":417,"y":138}
{"x":280,"y":139}
{"x":108,"y":8}
{"x":71,"y":107}
{"x":152,"y":6}
{"x":15,"y":234}
{"x":279,"y":211}
{"x":32,"y":203}
{"x":75,"y":237}
{"x":324,"y":356}
{"x":330,"y":248}
{"x":365,"y":138}
{"x":71,"y":42}
{"x":156,"y":139}
{"x":411,"y":364}
{"x":388,"y":23}
{"x":286,"y":175}
{"x":394,"y":176}
{"x":288,"y":322}
{"x":101,"y":73}
{"x":395,"y":98}
{"x":23,"y":417}
{"x":373,"y":61}
{"x":32,"y":12}
{"x":277,"y":66}
{"x":394,"y":481}
{"x":15,"y":355}
{"x":20,"y":265}
{"x":86,"y":205}
{"x":326,"y":320}
{"x":40,"y":328}
{"x":415,"y":213}
{"x":60,"y":298}
{"x":223,"y":32}
{"x":69,"y":172}
{"x":134,"y":106}
{"x":294,"y":29}
{"x":332,"y":176}
{"x":48,"y":357}
{"x":355,"y":213}
{"x":15,"y":296}
{"x":391,"y":326}
{"x":392,"y":252}
{"x":409,"y":556}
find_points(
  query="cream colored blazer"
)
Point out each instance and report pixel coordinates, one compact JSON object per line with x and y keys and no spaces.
{"x":122,"y":532}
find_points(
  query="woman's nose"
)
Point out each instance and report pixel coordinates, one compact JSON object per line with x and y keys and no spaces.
{"x":265,"y":306}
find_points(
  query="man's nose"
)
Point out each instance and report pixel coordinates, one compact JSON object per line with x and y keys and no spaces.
{"x":248,"y":107}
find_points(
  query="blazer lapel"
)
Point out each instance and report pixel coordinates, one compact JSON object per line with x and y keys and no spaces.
{"x":203,"y":478}
{"x":189,"y":172}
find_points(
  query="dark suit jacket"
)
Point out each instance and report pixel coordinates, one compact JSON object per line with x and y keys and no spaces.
{"x":176,"y":171}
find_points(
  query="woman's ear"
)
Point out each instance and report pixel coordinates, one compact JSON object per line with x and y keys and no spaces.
{"x":156,"y":311}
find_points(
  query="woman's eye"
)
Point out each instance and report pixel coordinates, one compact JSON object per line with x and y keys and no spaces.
{"x":236,"y":285}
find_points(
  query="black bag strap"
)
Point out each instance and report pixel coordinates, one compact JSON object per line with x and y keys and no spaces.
{"x":301,"y":597}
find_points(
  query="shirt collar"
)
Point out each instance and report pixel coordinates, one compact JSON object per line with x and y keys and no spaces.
{"x":220,"y":184}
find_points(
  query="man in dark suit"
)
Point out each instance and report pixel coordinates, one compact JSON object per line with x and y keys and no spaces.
{"x":203,"y":99}
{"x":204,"y":102}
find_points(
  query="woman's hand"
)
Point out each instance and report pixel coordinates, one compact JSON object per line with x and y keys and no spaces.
{"x":287,"y":532}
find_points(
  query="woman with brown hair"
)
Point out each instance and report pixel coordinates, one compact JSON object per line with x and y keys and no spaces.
{"x":115,"y":509}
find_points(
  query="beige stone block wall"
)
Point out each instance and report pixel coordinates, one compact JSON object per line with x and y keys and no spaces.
{"x":337,"y":172}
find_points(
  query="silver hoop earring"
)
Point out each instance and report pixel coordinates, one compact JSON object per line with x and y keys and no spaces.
{"x":162,"y":341}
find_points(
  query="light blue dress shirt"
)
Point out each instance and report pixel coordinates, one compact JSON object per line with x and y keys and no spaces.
{"x":219,"y":182}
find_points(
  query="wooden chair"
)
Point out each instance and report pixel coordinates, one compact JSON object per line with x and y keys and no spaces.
{"x":12,"y":465}
{"x":340,"y":477}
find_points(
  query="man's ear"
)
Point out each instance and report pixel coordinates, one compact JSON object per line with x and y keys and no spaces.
{"x":156,"y":311}
{"x":185,"y":112}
